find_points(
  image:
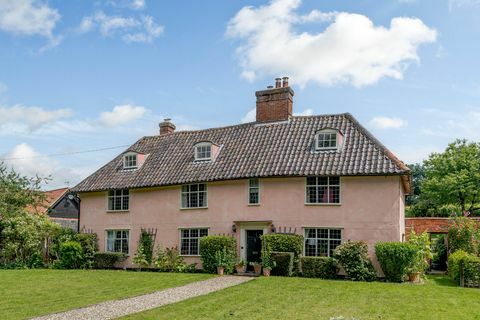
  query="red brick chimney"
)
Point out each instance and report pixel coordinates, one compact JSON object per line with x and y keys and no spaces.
{"x":166,"y":127}
{"x":275,"y":104}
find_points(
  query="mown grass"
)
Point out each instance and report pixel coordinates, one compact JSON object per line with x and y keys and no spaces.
{"x":299,"y":298}
{"x":28,"y":293}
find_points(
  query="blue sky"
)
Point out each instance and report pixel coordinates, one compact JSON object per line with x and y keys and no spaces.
{"x":79,"y":75}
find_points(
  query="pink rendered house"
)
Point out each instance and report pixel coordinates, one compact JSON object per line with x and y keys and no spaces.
{"x":324,"y":177}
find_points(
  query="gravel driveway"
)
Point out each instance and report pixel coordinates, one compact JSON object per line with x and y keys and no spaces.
{"x":117,"y":308}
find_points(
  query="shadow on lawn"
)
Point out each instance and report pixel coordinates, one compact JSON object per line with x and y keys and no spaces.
{"x":443,"y":281}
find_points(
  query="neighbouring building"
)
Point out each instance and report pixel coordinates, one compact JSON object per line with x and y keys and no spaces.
{"x":324,"y":177}
{"x":61,"y":206}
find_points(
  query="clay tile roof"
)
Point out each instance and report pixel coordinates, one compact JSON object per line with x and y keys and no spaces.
{"x":51,"y":198}
{"x":251,"y":150}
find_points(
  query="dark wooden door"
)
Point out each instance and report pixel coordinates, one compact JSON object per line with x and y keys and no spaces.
{"x":254,"y":245}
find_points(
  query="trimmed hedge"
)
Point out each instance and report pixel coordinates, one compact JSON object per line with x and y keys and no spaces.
{"x":395,"y":258}
{"x":319,"y":267}
{"x":285,"y":243}
{"x":71,"y":255}
{"x":209,"y":245}
{"x":107,"y":260}
{"x":283,"y":263}
{"x":353,"y":257}
{"x":471,"y":267}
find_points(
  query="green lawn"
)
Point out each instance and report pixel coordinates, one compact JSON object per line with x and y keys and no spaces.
{"x":28,"y":293}
{"x":297,"y":298}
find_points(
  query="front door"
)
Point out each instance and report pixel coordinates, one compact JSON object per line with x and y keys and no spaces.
{"x":254,"y":245}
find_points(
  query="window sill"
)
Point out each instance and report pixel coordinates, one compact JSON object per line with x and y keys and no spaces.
{"x":323,"y":204}
{"x":199,"y":208}
{"x":253,"y":204}
{"x":118,"y":211}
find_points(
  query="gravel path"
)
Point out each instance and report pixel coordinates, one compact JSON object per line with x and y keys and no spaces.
{"x":117,"y":308}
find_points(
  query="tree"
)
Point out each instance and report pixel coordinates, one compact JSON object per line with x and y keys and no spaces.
{"x":453,"y":177}
{"x":18,"y":192}
{"x":22,"y":234}
{"x":418,"y":175}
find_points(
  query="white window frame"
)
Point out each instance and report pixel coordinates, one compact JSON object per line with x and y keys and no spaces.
{"x":124,"y":193}
{"x":328,"y":185}
{"x":121,"y":240}
{"x":126,"y":161}
{"x":250,"y":188}
{"x":189,"y":193}
{"x":329,"y":240}
{"x":198,"y":151}
{"x":330,"y":132}
{"x":181,"y":238}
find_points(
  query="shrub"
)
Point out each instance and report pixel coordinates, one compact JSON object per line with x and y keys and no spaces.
{"x":464,"y":235}
{"x":353,"y":257}
{"x":89,"y":244}
{"x":144,"y":255}
{"x":209,"y":245}
{"x":285,"y":243}
{"x":71,"y":255}
{"x":267,"y":261}
{"x":107,"y":260}
{"x":283,"y":263}
{"x":169,"y":260}
{"x":22,"y":239}
{"x":471,"y":266}
{"x":424,"y":252}
{"x":319,"y":267}
{"x":395,"y":258}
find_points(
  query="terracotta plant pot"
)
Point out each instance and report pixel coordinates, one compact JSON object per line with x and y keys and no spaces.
{"x":266,"y":272}
{"x":220,"y":270}
{"x":240,"y":269}
{"x":257,"y":268}
{"x":414,"y":277}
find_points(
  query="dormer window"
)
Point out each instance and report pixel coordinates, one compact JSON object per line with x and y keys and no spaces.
{"x":130,"y":161}
{"x":203,"y":151}
{"x":328,"y":139}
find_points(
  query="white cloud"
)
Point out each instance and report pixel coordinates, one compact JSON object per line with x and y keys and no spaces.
{"x":28,"y":17}
{"x":138,"y":4}
{"x":31,"y":117}
{"x":29,"y":162}
{"x":462,"y":3}
{"x":350,"y":50}
{"x":306,"y":112}
{"x":131,"y":29}
{"x":122,"y":114}
{"x":250,"y":116}
{"x":388,"y":123}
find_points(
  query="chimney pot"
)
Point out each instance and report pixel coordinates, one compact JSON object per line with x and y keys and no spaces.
{"x":278,"y":82}
{"x":285,"y":82}
{"x":166,"y":127}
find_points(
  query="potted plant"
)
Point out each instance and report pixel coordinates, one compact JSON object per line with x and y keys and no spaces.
{"x":267,"y":263}
{"x":420,"y":263}
{"x":221,"y":259}
{"x":257,"y":267}
{"x":241,"y":267}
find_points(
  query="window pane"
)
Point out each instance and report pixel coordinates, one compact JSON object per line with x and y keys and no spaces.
{"x":322,"y":181}
{"x":184,"y":247}
{"x":322,"y":248}
{"x":335,"y":181}
{"x":312,"y":195}
{"x":203,"y":232}
{"x":311,"y":181}
{"x":322,"y":194}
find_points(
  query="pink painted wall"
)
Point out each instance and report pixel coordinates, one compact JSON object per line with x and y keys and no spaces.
{"x":371,"y":209}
